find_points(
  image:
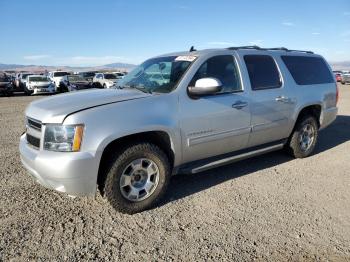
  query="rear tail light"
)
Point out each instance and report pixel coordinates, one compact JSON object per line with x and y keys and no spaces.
{"x":337,"y":94}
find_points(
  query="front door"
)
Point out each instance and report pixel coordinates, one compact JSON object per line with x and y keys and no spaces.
{"x":216,"y":124}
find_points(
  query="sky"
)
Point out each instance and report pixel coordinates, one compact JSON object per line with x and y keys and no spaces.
{"x":90,"y":32}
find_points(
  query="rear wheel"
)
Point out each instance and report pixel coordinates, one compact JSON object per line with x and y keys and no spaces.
{"x":138,"y":178}
{"x":303,"y":140}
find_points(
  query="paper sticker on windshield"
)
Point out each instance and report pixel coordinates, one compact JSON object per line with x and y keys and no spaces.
{"x":188,"y":58}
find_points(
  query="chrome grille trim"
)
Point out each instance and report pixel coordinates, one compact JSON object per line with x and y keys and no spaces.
{"x":35,"y":124}
{"x":33,"y":133}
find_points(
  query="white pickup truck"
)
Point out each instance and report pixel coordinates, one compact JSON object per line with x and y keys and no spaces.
{"x":58,"y":77}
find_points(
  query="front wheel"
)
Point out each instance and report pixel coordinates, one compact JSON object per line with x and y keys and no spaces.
{"x":303,"y":140}
{"x":138,"y":178}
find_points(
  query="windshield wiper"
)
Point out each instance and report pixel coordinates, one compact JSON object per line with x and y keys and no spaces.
{"x":142,"y":89}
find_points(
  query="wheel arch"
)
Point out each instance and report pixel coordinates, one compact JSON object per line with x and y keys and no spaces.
{"x":314,"y":109}
{"x":160,"y":138}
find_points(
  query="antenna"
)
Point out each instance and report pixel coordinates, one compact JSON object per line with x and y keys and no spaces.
{"x":192,"y":49}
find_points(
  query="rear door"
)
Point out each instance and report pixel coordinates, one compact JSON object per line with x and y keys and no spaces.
{"x":272,"y":103}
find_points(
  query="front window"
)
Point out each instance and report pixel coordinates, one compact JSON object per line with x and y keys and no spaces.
{"x":38,"y":79}
{"x":157,"y":74}
{"x":222,"y":67}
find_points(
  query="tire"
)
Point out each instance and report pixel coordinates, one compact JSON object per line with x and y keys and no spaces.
{"x":343,"y":83}
{"x":118,"y":189}
{"x":297,"y":146}
{"x":27,"y":91}
{"x":104,"y":86}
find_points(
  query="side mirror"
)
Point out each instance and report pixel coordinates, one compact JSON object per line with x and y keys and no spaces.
{"x":205,"y":86}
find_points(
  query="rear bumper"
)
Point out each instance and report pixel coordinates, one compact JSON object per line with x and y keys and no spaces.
{"x":74,"y":173}
{"x":328,"y":116}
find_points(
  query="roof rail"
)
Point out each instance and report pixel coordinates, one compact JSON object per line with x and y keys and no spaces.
{"x":245,"y":47}
{"x":268,"y":49}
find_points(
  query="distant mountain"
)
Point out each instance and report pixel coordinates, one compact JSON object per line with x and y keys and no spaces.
{"x":42,"y":68}
{"x":11,"y":66}
{"x":119,"y":65}
{"x":344,"y":65}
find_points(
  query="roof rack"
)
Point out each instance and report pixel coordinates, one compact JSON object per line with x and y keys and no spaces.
{"x":255,"y":47}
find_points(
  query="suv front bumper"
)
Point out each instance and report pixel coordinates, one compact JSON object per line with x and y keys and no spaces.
{"x":74,"y":173}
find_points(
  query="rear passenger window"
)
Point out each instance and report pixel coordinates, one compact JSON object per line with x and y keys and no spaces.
{"x":263,"y":72}
{"x":307,"y":70}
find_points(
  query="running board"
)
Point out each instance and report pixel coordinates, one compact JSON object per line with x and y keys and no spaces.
{"x":236,"y":158}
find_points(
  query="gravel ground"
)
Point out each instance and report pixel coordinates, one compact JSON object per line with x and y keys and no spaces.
{"x":270,"y":207}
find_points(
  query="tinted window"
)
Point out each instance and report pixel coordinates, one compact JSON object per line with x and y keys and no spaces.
{"x":263,"y":72}
{"x":57,"y":74}
{"x":88,"y":74}
{"x":110,"y":76}
{"x":222,"y":67}
{"x":307,"y":70}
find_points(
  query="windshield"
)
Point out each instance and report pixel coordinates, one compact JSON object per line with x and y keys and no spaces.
{"x":88,"y":74}
{"x":75,"y":78}
{"x":24,"y":76}
{"x":4,"y":78}
{"x":60,"y":74}
{"x":38,"y":79}
{"x":110,"y":76}
{"x":157,"y":74}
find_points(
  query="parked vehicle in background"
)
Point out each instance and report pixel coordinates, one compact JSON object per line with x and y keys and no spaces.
{"x":89,"y":76}
{"x":58,"y":77}
{"x":23,"y":81}
{"x":345,"y":78}
{"x":39,"y":84}
{"x":216,"y":107}
{"x":105,"y":80}
{"x":16,"y":81}
{"x":6,"y":86}
{"x":75,"y":83}
{"x":120,"y":75}
{"x":338,"y":76}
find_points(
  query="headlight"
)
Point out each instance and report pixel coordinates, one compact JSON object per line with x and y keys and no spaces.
{"x":63,"y":138}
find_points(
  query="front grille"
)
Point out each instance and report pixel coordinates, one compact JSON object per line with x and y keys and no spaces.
{"x":45,"y":86}
{"x":34,"y":141}
{"x":34,"y":124}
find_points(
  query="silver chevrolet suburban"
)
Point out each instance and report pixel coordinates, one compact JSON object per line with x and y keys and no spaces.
{"x":178,"y":113}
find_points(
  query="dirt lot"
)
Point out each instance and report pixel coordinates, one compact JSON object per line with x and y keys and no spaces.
{"x":270,"y":207}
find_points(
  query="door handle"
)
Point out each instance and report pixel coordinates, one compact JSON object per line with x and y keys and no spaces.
{"x":284,"y":99}
{"x":239,"y":105}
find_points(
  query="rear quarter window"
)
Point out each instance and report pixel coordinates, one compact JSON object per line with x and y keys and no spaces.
{"x":307,"y":70}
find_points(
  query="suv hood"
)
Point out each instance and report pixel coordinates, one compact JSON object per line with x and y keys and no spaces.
{"x":42,"y":83}
{"x":54,"y":109}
